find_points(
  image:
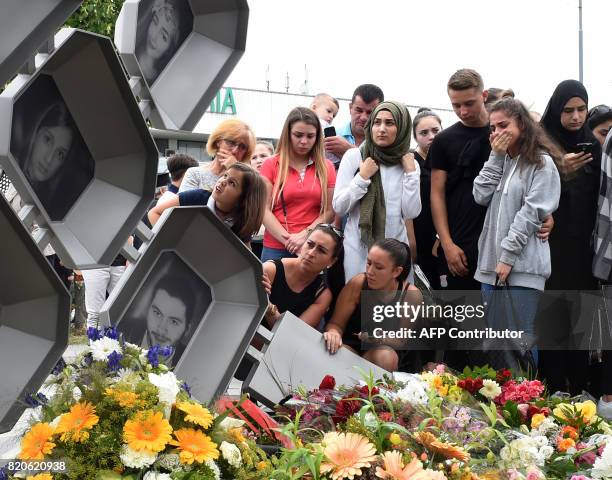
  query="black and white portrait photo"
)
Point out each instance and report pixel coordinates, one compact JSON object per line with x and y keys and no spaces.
{"x":167,"y":308}
{"x":49,"y":148}
{"x":163,"y":26}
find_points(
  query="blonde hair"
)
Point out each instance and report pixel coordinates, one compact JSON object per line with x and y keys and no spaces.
{"x":285,"y":151}
{"x":235,"y":130}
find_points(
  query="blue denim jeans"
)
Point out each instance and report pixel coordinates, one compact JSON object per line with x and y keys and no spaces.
{"x":514,"y":309}
{"x":268,"y":253}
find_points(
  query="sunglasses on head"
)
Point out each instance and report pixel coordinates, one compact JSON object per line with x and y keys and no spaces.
{"x":331,"y":227}
{"x":599,"y":110}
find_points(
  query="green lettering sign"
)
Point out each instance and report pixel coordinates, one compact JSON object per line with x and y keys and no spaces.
{"x":228,"y":102}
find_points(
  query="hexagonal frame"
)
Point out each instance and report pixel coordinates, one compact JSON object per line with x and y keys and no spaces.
{"x":34,"y":317}
{"x":186,"y":86}
{"x":25,"y":26}
{"x":85,"y":69}
{"x":233,"y":274}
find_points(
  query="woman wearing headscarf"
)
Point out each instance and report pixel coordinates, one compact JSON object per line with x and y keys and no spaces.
{"x":377,"y":185}
{"x":570,"y":242}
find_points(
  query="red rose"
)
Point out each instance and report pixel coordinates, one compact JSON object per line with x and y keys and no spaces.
{"x":365,"y":391}
{"x":503,"y":375}
{"x":328,"y":383}
{"x":345,"y":408}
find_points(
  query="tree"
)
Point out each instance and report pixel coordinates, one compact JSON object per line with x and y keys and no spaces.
{"x":98,"y":16}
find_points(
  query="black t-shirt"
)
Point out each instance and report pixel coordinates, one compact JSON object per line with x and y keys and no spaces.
{"x":462,"y":151}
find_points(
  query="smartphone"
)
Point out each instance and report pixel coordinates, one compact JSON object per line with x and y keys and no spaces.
{"x":584,"y":148}
{"x":329,"y":132}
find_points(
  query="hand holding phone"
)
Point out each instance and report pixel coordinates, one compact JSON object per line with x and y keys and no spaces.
{"x":329,"y":132}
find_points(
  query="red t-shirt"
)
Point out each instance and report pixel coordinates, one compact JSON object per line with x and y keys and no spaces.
{"x":302,"y":197}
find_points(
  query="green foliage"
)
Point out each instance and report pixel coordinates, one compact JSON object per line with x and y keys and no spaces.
{"x":98,"y":16}
{"x":484,"y":372}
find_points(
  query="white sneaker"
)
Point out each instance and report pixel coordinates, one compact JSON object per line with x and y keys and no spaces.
{"x":604,"y":409}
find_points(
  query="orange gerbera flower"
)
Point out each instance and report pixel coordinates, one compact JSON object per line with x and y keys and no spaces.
{"x":394,"y":468}
{"x":346,"y":455}
{"x":194,"y":446}
{"x":447,"y":450}
{"x":147,"y":431}
{"x":37,"y":442}
{"x":74,"y":424}
{"x":196,"y":413}
{"x":40,"y":476}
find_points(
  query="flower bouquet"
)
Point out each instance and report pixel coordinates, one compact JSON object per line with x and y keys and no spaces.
{"x":480,"y":423}
{"x":117,"y":412}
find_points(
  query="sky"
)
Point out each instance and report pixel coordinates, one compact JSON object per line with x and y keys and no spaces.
{"x":410,"y":48}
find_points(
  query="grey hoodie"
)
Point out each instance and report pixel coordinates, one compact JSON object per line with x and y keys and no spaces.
{"x":518,"y":197}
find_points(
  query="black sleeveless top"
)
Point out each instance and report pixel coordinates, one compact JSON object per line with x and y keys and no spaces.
{"x":286,"y":299}
{"x":353,"y":326}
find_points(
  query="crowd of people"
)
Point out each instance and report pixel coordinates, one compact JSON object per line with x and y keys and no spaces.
{"x":504,"y":198}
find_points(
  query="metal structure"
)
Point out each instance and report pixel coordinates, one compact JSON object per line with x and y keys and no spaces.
{"x":34,"y":317}
{"x":176,"y":91}
{"x":92,"y":87}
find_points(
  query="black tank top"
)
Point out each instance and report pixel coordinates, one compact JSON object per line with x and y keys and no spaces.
{"x":353,"y":326}
{"x":286,"y":299}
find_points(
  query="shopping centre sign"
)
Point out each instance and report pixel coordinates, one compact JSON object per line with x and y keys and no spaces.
{"x":228,"y":103}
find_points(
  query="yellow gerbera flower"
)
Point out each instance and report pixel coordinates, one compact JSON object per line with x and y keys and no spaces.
{"x":37,"y":442}
{"x":147,"y":431}
{"x":40,"y":476}
{"x":347,"y":455}
{"x":194,"y":446}
{"x":196,"y":413}
{"x":74,"y":424}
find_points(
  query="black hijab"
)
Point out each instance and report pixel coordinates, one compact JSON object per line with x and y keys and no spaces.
{"x":551,"y":120}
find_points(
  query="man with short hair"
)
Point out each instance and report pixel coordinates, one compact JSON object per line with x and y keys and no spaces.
{"x":365,"y":99}
{"x":457,"y":154}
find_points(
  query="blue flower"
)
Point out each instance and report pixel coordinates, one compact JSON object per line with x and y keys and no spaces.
{"x":3,"y":473}
{"x":153,"y":355}
{"x":185,"y":386}
{"x":88,"y":359}
{"x":111,"y":332}
{"x":94,"y":334}
{"x":59,"y":367}
{"x":114,"y":360}
{"x":37,"y":400}
{"x":167,"y":351}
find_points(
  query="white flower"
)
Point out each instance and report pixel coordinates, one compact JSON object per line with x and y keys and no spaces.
{"x":540,"y":441}
{"x":143,"y":356}
{"x":151,"y":475}
{"x":133,"y":459}
{"x":122,"y":374}
{"x":228,"y":423}
{"x":415,"y":391}
{"x":546,"y":451}
{"x":602,"y":468}
{"x":101,"y":349}
{"x":505,"y":454}
{"x":490,"y":389}
{"x":231,"y":453}
{"x":214,"y":467}
{"x":369,"y":420}
{"x":55,"y":422}
{"x":167,"y":384}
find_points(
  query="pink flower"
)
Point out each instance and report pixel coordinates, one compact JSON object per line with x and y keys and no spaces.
{"x":440,"y":368}
{"x":534,"y":474}
{"x":513,"y":474}
{"x":588,"y":457}
{"x":520,"y":393}
{"x":579,"y":477}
